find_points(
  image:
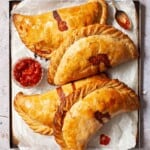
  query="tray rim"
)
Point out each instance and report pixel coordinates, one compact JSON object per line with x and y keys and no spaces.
{"x":140,"y":78}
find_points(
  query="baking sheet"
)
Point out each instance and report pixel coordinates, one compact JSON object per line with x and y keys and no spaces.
{"x":133,"y":84}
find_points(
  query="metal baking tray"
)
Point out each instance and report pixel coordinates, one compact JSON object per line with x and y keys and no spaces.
{"x":139,"y":143}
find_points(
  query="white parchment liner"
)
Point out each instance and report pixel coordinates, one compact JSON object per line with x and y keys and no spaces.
{"x":122,"y":129}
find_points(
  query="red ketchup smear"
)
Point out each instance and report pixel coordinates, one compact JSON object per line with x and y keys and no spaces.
{"x":62,"y":25}
{"x":124,"y":22}
{"x":27,"y":72}
{"x":104,"y":139}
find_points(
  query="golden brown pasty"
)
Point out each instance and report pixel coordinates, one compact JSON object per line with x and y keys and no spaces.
{"x":90,"y":50}
{"x":79,"y":116}
{"x":38,"y":110}
{"x":44,"y":33}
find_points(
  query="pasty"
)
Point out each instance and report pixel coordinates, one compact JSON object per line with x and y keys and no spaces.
{"x":38,"y":110}
{"x":44,"y":33}
{"x":79,"y":117}
{"x":90,"y":50}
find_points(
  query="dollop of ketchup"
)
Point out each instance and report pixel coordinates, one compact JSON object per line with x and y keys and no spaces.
{"x":123,"y":20}
{"x":27,"y":72}
{"x":104,"y":139}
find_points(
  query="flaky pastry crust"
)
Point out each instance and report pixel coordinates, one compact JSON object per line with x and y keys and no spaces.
{"x":44,"y":33}
{"x":90,"y":50}
{"x":81,"y":115}
{"x":38,"y":110}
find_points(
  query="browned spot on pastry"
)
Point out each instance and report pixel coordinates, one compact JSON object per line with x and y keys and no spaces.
{"x":61,"y":93}
{"x":62,"y":25}
{"x":21,"y":28}
{"x":73,"y":86}
{"x":96,"y":60}
{"x":99,"y":116}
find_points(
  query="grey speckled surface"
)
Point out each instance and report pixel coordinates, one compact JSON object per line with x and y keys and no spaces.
{"x":4,"y":74}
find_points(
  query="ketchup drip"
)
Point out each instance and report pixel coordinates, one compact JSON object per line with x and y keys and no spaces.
{"x":104,"y":139}
{"x":100,"y":116}
{"x":96,"y":60}
{"x":62,"y":25}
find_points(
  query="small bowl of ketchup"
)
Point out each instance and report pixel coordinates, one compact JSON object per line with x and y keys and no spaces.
{"x":27,"y":72}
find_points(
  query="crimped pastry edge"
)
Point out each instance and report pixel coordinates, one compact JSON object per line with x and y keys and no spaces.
{"x":33,"y":124}
{"x":47,"y":129}
{"x":75,"y":35}
{"x":103,"y":20}
{"x":77,"y":95}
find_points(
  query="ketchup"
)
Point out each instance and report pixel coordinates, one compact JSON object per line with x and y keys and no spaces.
{"x":123,"y":20}
{"x":28,"y":72}
{"x":104,"y":139}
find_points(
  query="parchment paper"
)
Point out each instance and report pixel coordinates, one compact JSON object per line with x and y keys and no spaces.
{"x":122,"y":129}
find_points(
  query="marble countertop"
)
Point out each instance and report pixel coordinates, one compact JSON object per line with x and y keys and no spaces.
{"x":4,"y":74}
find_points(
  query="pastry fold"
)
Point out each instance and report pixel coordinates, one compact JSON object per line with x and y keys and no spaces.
{"x":38,"y":110}
{"x":90,"y":50}
{"x":44,"y":33}
{"x":81,"y":115}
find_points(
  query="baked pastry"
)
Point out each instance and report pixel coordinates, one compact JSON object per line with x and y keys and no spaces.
{"x":38,"y":110}
{"x":44,"y":33}
{"x":90,"y":50}
{"x":81,"y":115}
{"x":96,"y":99}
